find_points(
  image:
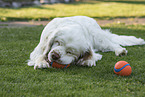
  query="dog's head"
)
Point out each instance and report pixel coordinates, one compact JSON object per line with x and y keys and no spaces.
{"x":67,"y":46}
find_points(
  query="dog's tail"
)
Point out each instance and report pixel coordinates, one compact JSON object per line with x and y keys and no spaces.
{"x":127,"y":40}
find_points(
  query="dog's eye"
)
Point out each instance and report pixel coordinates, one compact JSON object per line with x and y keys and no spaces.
{"x":57,"y":42}
{"x":68,"y":52}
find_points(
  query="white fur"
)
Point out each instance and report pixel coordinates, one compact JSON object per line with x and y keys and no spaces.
{"x":72,"y":37}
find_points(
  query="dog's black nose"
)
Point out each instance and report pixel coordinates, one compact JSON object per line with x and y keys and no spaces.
{"x":55,"y":56}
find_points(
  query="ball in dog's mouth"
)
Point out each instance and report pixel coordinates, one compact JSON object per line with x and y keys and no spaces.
{"x":57,"y":65}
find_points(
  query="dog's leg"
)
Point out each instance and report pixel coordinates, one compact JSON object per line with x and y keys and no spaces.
{"x":89,"y":58}
{"x":120,"y":51}
{"x":37,"y":57}
{"x":109,"y":46}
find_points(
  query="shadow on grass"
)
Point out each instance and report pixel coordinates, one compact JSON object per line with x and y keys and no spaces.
{"x":125,"y":1}
{"x":4,"y":19}
{"x":25,"y":19}
{"x":36,"y":7}
{"x":117,"y":1}
{"x":42,"y":7}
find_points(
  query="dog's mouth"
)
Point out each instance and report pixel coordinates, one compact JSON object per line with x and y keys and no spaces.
{"x":58,"y":61}
{"x":61,"y":59}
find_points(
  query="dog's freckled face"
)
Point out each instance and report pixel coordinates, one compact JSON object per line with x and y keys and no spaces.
{"x":65,"y":49}
{"x":75,"y":40}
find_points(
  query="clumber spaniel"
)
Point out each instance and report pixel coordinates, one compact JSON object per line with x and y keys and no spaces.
{"x":75,"y":40}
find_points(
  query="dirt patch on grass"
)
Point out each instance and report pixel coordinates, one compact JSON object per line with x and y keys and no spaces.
{"x":126,"y":21}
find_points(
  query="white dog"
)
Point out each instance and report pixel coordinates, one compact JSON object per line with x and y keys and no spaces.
{"x":75,"y":40}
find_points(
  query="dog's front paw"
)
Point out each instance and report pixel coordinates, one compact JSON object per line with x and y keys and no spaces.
{"x":88,"y":63}
{"x":42,"y":64}
{"x":121,"y":52}
{"x":31,"y":63}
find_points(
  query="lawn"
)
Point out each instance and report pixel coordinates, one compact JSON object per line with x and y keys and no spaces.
{"x":100,"y":9}
{"x":19,"y":80}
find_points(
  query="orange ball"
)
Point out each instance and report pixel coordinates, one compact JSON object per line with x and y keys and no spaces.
{"x":56,"y":65}
{"x":122,"y":68}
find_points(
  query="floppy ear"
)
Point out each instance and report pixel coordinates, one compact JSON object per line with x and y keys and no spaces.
{"x":48,"y":34}
{"x":47,"y":37}
{"x":49,"y":43}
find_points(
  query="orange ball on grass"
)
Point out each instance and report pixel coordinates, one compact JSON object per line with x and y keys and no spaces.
{"x":122,"y":68}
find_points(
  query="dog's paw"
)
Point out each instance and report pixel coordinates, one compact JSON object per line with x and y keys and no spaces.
{"x":121,"y":52}
{"x":90,"y":61}
{"x":87,"y":63}
{"x":42,"y":64}
{"x":97,"y":57}
{"x":31,"y":63}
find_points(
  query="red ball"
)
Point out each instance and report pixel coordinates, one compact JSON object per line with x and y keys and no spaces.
{"x":57,"y":65}
{"x":122,"y":68}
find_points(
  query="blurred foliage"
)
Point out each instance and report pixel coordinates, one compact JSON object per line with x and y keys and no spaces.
{"x":17,"y":0}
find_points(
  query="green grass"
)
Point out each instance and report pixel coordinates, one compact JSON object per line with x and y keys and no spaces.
{"x":101,"y":9}
{"x":19,"y":80}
